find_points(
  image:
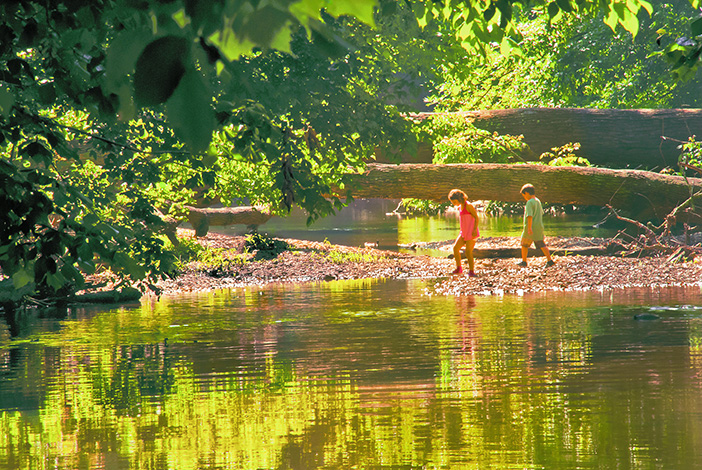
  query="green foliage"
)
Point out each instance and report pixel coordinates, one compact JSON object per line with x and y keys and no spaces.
{"x":206,"y":258}
{"x":691,"y":157}
{"x":680,"y":49}
{"x":564,"y":156}
{"x":263,"y":243}
{"x":423,"y":206}
{"x":456,"y":140}
{"x":85,"y":164}
{"x":340,"y":257}
{"x":594,"y":66}
{"x":576,"y":61}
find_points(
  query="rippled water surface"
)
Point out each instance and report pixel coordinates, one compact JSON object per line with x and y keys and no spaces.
{"x":357,"y":375}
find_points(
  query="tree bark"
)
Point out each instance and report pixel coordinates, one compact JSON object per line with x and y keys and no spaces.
{"x":644,"y":193}
{"x":617,"y":138}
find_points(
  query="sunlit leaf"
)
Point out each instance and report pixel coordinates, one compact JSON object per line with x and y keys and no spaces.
{"x":231,"y":46}
{"x":646,"y":6}
{"x":281,"y":40}
{"x":630,"y":22}
{"x":612,"y":19}
{"x":361,"y":9}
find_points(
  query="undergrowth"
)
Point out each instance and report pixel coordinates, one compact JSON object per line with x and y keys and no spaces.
{"x":340,"y":257}
{"x":190,"y":251}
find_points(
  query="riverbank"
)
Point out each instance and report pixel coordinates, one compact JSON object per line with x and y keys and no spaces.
{"x":306,"y":261}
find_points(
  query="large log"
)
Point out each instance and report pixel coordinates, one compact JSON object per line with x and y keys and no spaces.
{"x":609,"y":137}
{"x":202,"y":218}
{"x":643,"y":192}
{"x":616,"y":138}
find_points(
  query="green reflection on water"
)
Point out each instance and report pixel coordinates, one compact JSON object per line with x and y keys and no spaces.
{"x":358,"y":374}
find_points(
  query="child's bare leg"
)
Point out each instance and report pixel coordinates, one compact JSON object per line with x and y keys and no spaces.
{"x":547,"y":254}
{"x":470,"y":244}
{"x":457,"y":250}
{"x":525,"y":250}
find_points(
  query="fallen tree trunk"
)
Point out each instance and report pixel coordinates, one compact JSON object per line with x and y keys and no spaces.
{"x":646,"y":193}
{"x":608,"y":137}
{"x":202,"y":218}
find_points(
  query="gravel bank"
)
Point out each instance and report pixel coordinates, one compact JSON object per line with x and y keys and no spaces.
{"x":314,"y":261}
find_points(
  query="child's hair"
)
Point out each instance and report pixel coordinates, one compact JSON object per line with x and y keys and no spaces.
{"x":457,"y":195}
{"x":528,"y":189}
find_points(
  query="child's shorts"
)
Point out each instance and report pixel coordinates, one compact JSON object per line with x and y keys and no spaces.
{"x":526,"y":242}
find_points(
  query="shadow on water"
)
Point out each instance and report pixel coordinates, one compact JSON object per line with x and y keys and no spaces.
{"x":358,"y":374}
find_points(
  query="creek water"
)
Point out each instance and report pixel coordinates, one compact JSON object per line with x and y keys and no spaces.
{"x":357,"y":375}
{"x":372,"y":221}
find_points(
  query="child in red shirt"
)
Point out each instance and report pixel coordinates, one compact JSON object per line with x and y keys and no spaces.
{"x":469,"y":231}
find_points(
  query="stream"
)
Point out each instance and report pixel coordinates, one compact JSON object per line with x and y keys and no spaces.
{"x":370,"y":374}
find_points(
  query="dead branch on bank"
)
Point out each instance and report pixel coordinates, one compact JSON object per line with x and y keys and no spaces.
{"x":659,"y":240}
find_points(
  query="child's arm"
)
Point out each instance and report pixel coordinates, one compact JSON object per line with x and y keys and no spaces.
{"x":530,"y":231}
{"x":474,"y":213}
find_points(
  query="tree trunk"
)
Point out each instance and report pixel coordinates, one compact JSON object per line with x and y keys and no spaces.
{"x":645,"y":193}
{"x":201,"y":219}
{"x":616,"y":138}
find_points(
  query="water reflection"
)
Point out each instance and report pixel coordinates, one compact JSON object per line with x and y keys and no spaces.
{"x":358,"y":374}
{"x":370,"y":220}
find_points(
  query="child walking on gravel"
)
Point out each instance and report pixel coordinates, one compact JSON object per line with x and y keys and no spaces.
{"x":469,"y":231}
{"x":533,"y":226}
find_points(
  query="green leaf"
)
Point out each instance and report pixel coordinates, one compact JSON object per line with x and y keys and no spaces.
{"x":361,"y":9}
{"x":564,"y":5}
{"x":231,"y":46}
{"x":612,"y":19}
{"x":190,"y":112}
{"x":122,"y":55}
{"x":646,"y":6}
{"x":130,"y":265}
{"x":630,"y":22}
{"x":262,"y":25}
{"x":696,"y":26}
{"x":159,"y":69}
{"x":90,"y":220}
{"x":56,"y":281}
{"x":281,"y":40}
{"x":47,"y":93}
{"x":7,"y":100}
{"x":21,"y":278}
